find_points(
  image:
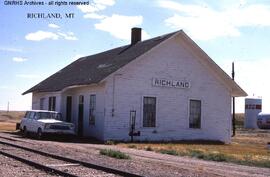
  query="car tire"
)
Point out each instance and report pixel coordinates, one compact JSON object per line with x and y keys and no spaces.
{"x":39,"y":133}
{"x":24,"y":131}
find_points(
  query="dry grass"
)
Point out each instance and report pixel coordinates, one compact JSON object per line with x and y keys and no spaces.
{"x":248,"y":147}
{"x":9,"y":119}
{"x":239,"y":120}
{"x":7,"y":126}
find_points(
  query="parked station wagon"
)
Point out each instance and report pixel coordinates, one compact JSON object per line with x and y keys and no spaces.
{"x":42,"y":122}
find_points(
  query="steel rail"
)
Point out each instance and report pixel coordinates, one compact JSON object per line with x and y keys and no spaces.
{"x":38,"y":165}
{"x":83,"y":163}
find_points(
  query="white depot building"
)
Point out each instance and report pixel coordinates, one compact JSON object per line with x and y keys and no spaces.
{"x":166,"y":87}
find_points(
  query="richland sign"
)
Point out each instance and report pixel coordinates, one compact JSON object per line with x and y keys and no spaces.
{"x":170,"y":83}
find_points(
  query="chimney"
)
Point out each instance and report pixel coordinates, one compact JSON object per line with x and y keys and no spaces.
{"x":136,"y":35}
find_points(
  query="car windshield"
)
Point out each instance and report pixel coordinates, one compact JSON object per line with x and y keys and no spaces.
{"x":49,"y":115}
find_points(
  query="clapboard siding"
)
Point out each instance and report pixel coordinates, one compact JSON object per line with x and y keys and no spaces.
{"x":171,"y":61}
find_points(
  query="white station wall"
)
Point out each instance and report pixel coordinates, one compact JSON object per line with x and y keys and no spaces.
{"x":171,"y":61}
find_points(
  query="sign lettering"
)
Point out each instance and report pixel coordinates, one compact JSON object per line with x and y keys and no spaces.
{"x":170,"y":83}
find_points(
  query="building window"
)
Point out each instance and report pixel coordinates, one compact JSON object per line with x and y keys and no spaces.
{"x":195,"y":114}
{"x":41,"y":104}
{"x":149,"y":112}
{"x":92,"y":109}
{"x":52,"y":101}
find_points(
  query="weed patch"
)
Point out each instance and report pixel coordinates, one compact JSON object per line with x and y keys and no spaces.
{"x":110,"y":142}
{"x":219,"y":157}
{"x":168,"y":151}
{"x":149,"y":148}
{"x":132,"y":146}
{"x":114,"y":154}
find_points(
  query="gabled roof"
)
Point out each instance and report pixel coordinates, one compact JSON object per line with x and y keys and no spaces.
{"x":235,"y":89}
{"x":94,"y":68}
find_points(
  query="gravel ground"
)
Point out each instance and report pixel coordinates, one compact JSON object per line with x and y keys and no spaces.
{"x":13,"y":168}
{"x":75,"y":169}
{"x":144,"y":162}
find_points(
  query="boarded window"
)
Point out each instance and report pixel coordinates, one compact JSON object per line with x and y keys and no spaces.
{"x":195,"y":114}
{"x":92,"y":109}
{"x":52,"y":101}
{"x":149,"y":112}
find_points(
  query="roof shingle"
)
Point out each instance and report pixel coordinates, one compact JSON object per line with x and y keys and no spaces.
{"x":94,"y":68}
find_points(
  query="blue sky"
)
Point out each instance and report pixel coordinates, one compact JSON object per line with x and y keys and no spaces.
{"x":227,"y":30}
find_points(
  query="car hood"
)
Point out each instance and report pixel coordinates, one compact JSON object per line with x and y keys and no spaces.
{"x":52,"y":121}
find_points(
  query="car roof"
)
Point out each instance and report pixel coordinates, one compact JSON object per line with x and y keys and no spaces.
{"x":42,"y":111}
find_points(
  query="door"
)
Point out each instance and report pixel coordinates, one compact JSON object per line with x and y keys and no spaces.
{"x":80,"y":116}
{"x":69,"y":108}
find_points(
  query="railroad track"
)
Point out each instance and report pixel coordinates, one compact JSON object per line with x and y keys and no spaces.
{"x":54,"y":164}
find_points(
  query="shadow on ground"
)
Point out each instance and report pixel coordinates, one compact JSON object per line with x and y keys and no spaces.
{"x":57,"y":138}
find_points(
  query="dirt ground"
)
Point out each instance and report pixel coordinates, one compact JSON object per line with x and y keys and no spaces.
{"x":248,"y":147}
{"x":146,"y":163}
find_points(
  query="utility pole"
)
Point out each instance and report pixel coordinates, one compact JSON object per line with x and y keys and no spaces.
{"x":233,"y":104}
{"x":8,"y":107}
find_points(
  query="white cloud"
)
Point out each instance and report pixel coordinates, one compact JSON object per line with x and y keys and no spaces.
{"x":105,"y":2}
{"x":28,"y":76}
{"x":53,"y":26}
{"x":92,"y":9}
{"x":4,"y":87}
{"x":10,"y":49}
{"x":19,"y":59}
{"x":94,"y":16}
{"x":204,"y":23}
{"x":96,"y":6}
{"x":145,"y":35}
{"x":41,"y":35}
{"x":119,"y":26}
{"x":68,"y":36}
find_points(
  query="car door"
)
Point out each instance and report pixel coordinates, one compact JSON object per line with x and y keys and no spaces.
{"x":35,"y":122}
{"x":30,"y":122}
{"x":25,"y":119}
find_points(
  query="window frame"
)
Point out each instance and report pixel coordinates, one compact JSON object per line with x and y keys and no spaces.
{"x":156,"y":103}
{"x":189,"y":109}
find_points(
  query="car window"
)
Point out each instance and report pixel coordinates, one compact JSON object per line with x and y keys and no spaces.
{"x":27,"y":114}
{"x":43,"y":115}
{"x":46,"y":115}
{"x":37,"y":116}
{"x":58,"y":116}
{"x":32,"y":114}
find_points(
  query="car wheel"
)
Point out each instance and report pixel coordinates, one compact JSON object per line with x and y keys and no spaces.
{"x":39,"y":133}
{"x":25,"y":133}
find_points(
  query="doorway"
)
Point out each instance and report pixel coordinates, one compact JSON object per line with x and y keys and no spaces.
{"x":80,"y":116}
{"x":69,"y":108}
